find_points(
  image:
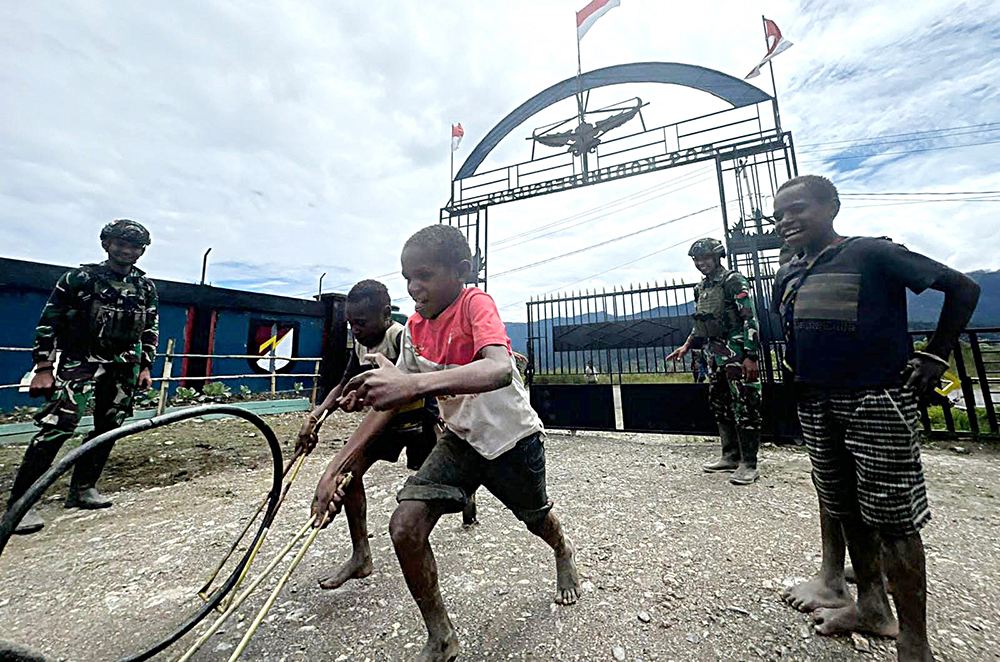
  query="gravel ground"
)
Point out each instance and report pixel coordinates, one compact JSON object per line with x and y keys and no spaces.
{"x":676,"y":564}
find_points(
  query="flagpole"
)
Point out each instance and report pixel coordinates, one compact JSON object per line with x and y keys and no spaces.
{"x":774,"y":86}
{"x":451,"y":155}
{"x":579,"y":94}
{"x":579,"y":82}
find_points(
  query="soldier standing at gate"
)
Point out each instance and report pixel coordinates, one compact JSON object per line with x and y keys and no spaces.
{"x":725,"y":328}
{"x":102,"y":318}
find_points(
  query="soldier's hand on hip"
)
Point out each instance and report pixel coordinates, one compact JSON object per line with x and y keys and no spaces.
{"x":751,"y":372}
{"x":42,"y":384}
{"x":145,"y":381}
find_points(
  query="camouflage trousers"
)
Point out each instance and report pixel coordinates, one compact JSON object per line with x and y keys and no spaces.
{"x":111,"y":385}
{"x":731,"y":399}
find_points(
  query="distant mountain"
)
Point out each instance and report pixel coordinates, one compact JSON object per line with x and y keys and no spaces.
{"x":923,"y":310}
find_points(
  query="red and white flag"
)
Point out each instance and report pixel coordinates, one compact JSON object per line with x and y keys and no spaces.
{"x":587,"y":16}
{"x":779,"y":45}
{"x":456,"y":135}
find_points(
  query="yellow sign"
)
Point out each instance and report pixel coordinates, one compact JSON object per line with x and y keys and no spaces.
{"x":949,"y":382}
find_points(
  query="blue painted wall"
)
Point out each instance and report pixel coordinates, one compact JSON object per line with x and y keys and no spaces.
{"x":25,"y":287}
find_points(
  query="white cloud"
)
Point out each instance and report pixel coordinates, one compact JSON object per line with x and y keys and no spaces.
{"x":302,"y":138}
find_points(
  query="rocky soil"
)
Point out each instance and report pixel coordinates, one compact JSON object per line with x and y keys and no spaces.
{"x":677,"y":565}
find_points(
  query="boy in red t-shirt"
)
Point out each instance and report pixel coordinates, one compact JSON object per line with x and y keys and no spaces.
{"x":455,"y":347}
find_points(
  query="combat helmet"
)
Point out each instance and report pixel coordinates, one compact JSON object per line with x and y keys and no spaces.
{"x":124,"y":229}
{"x":707,"y":246}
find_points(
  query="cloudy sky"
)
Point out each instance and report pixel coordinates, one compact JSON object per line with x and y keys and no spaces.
{"x":302,"y":138}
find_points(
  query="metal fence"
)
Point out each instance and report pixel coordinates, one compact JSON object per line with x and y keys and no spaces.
{"x":608,"y":334}
{"x":623,"y":336}
{"x":969,"y":409}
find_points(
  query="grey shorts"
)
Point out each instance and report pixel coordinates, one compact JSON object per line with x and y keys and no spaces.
{"x":865,"y":456}
{"x":454,"y":470}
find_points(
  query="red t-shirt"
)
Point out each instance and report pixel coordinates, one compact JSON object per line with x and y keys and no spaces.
{"x":492,"y":422}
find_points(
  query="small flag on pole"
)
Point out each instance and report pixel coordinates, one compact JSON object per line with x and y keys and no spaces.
{"x":587,"y":16}
{"x":456,"y":135}
{"x":779,"y":45}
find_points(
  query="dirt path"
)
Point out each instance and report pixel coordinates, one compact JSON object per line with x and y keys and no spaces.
{"x":677,"y":565}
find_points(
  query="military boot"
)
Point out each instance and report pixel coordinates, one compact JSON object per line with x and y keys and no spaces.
{"x":86,"y":497}
{"x":730,"y":450}
{"x":30,"y":523}
{"x":83,"y":486}
{"x":746,"y":474}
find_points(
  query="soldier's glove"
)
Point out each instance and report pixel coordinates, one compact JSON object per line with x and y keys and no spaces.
{"x":923,"y":372}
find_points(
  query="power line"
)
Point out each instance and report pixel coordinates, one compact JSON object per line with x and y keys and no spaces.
{"x":602,"y":207}
{"x":879,"y":143}
{"x":601,"y":273}
{"x":912,"y":151}
{"x":602,"y":243}
{"x":922,"y":193}
{"x":919,"y":202}
{"x":597,"y":218}
{"x":899,"y":135}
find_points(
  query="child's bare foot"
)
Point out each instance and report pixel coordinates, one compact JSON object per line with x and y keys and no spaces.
{"x":469,"y":515}
{"x":842,"y":620}
{"x":439,"y":650}
{"x":816,"y":593}
{"x":567,"y":577}
{"x":353,"y":568}
{"x":853,"y":579}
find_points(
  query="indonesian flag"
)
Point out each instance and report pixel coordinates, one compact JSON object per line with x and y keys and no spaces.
{"x":779,"y":45}
{"x":587,"y":16}
{"x":456,"y":135}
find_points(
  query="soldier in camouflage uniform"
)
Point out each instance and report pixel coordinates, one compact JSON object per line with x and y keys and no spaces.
{"x":102,"y":318}
{"x":725,"y":327}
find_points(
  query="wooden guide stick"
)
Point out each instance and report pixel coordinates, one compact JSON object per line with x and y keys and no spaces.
{"x":263,"y":535}
{"x":284,"y":580}
{"x":203,"y":593}
{"x":246,"y":593}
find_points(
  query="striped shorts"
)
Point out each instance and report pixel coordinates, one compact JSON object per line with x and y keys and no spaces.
{"x":865,"y":456}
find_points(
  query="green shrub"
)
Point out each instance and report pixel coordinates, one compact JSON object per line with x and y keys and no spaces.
{"x":961,"y":418}
{"x":217,"y":390}
{"x":184,"y":394}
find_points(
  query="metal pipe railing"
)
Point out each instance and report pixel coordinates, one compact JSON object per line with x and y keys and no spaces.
{"x":166,"y":376}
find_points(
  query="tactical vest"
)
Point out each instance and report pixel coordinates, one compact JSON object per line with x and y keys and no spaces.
{"x":715,"y":316}
{"x":114,"y":316}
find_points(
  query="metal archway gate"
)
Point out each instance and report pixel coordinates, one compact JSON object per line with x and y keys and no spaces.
{"x":626,"y":333}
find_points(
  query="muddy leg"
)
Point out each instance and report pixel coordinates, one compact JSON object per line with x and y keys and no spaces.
{"x":410,"y":528}
{"x":827,"y":588}
{"x":567,"y":577}
{"x":905,"y":567}
{"x":871,"y":613}
{"x":360,"y":563}
{"x":469,"y":512}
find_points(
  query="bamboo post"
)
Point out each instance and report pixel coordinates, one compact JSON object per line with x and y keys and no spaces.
{"x":312,"y":398}
{"x":168,"y":364}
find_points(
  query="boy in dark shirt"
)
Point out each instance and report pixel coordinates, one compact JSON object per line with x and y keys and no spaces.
{"x":842,"y":301}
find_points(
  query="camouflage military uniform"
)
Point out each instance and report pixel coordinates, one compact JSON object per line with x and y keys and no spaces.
{"x":728,"y":332}
{"x":105,"y":326}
